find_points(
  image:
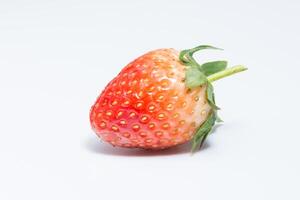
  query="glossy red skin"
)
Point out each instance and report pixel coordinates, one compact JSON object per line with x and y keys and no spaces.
{"x":148,"y":106}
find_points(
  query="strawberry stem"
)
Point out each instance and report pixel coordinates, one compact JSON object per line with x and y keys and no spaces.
{"x":226,"y":72}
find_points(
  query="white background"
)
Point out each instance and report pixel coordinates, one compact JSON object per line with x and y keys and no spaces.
{"x":57,"y":56}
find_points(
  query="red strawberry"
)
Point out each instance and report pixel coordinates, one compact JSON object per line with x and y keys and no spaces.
{"x":161,"y":99}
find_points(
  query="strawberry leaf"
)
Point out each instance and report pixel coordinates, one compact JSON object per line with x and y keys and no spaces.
{"x":201,"y":47}
{"x":219,"y":120}
{"x":203,"y":131}
{"x":210,"y":68}
{"x":186,"y":56}
{"x":211,"y":96}
{"x":183,"y":58}
{"x":194,"y":78}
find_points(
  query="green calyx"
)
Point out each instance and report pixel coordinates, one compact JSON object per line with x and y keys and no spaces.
{"x":198,"y":75}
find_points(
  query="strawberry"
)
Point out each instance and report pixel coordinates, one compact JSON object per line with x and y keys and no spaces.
{"x":162,"y":99}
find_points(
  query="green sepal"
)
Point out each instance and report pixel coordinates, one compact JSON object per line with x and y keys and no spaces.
{"x":219,"y":120}
{"x":186,"y":56}
{"x":203,"y":131}
{"x":211,"y":96}
{"x":210,"y":68}
{"x":194,"y":78}
{"x":198,"y":75}
{"x":182,"y":57}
